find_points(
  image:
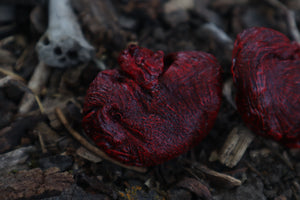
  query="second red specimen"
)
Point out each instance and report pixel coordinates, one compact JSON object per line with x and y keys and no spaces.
{"x":154,"y":107}
{"x":266,"y":72}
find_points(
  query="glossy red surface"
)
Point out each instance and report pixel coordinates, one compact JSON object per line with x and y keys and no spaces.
{"x":154,"y":107}
{"x":266,"y":73}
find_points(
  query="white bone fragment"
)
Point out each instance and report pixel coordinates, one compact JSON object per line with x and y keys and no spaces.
{"x":63,"y":44}
{"x":37,"y":81}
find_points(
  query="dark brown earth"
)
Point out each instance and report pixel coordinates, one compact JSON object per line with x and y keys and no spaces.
{"x":40,"y":159}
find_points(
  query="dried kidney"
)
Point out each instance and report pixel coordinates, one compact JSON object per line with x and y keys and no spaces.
{"x":154,"y":107}
{"x":266,"y":73}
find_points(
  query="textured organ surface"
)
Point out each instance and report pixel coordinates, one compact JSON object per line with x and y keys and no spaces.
{"x":266,"y":73}
{"x":154,"y":107}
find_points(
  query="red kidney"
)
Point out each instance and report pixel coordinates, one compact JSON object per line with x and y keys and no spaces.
{"x":266,"y":73}
{"x":154,"y":107}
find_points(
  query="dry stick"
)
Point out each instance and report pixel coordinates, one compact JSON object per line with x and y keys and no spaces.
{"x":228,"y":180}
{"x":89,"y":146}
{"x":290,"y":17}
{"x":293,"y":26}
{"x":12,"y":75}
{"x":38,"y":101}
{"x":7,"y":40}
{"x":44,"y":150}
{"x":4,"y":81}
{"x":218,"y":34}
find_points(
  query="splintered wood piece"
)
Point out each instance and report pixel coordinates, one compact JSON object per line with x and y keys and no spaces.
{"x":235,"y":146}
{"x":218,"y":178}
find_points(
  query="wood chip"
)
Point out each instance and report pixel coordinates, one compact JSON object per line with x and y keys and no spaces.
{"x":217,"y":178}
{"x":84,"y":153}
{"x":196,"y":187}
{"x":174,"y":5}
{"x":235,"y":146}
